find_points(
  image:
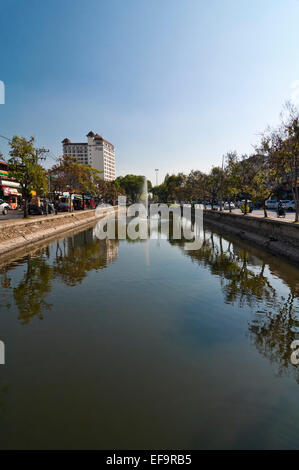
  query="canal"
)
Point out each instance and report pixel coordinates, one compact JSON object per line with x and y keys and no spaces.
{"x":144,"y":345}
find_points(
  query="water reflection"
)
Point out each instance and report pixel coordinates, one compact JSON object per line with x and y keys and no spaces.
{"x":68,"y":260}
{"x":31,"y":292}
{"x":245,"y":280}
{"x":175,"y":359}
{"x":78,"y":255}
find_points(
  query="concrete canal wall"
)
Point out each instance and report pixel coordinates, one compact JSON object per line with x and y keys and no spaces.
{"x":19,"y":233}
{"x":276,"y":236}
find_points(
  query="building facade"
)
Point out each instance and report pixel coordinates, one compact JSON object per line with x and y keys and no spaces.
{"x":96,"y":152}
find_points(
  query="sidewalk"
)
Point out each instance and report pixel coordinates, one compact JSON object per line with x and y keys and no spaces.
{"x":259,"y":213}
{"x":38,"y":218}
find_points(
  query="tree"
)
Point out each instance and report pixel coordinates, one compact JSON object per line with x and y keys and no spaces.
{"x":66,"y":173}
{"x":160,"y":193}
{"x":108,"y":191}
{"x":196,"y":186}
{"x":230,"y":181}
{"x":245,"y":171}
{"x":71,"y":176}
{"x":132,"y":185}
{"x":280,"y":148}
{"x":264,"y":182}
{"x":88,"y":182}
{"x":215,"y":184}
{"x":290,"y":160}
{"x":24,"y":166}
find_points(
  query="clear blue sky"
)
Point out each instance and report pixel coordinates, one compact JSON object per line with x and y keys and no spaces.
{"x":173,"y":84}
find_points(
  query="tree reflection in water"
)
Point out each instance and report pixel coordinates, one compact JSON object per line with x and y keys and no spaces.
{"x":275,"y":318}
{"x":32,"y":290}
{"x":246,"y":279}
{"x":70,"y":260}
{"x":77,"y":255}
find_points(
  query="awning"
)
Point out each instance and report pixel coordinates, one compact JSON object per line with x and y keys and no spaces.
{"x":10,"y":184}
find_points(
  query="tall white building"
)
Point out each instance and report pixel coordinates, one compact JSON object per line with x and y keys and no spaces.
{"x":96,"y":152}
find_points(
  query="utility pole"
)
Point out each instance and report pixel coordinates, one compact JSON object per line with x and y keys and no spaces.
{"x":157,"y":171}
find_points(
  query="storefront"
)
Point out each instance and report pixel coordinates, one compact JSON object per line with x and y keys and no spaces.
{"x":9,"y":188}
{"x":10,"y":193}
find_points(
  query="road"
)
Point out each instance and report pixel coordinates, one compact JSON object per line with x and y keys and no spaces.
{"x":17,"y":214}
{"x":290,"y":216}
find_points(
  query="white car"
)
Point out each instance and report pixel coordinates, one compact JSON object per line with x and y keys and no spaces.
{"x":271,"y":204}
{"x":289,"y":205}
{"x":4,"y":207}
{"x":226,"y":206}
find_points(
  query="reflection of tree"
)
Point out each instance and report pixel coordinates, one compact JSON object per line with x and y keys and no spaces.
{"x":238,"y":281}
{"x":73,"y":258}
{"x":31,"y":292}
{"x":81,"y":254}
{"x":273,"y":332}
{"x":5,"y":282}
{"x":275,"y":324}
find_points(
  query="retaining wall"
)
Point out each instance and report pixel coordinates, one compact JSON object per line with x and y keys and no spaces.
{"x":19,"y":233}
{"x":275,"y":236}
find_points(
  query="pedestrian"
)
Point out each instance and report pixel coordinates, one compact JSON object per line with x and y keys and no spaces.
{"x":56,"y":206}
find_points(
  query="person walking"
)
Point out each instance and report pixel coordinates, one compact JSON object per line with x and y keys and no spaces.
{"x":56,"y":206}
{"x":46,"y":207}
{"x":280,"y":209}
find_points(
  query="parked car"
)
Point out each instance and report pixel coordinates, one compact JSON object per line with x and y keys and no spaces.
{"x":289,"y":205}
{"x":271,"y":204}
{"x":64,"y":205}
{"x":4,"y":207}
{"x":226,"y":205}
{"x":240,"y":202}
{"x":34,"y":209}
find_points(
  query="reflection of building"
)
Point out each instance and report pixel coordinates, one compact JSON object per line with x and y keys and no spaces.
{"x":96,"y":152}
{"x":111,"y":250}
{"x":9,"y":188}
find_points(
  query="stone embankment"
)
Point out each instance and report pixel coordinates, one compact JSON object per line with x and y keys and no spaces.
{"x":275,"y":236}
{"x":20,"y":233}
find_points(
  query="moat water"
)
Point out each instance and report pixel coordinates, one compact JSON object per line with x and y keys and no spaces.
{"x":144,"y":345}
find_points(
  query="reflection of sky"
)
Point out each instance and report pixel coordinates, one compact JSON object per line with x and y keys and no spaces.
{"x":149,"y":352}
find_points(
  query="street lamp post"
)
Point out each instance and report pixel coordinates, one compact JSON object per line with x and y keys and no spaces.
{"x":157,"y":171}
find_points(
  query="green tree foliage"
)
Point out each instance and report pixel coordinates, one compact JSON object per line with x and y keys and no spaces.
{"x":280,"y":146}
{"x":73,"y":177}
{"x":215,"y":184}
{"x":24,"y":166}
{"x":109,"y":192}
{"x":131,"y":185}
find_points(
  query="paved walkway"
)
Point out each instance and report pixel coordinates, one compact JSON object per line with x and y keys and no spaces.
{"x":14,"y":218}
{"x":272,"y":215}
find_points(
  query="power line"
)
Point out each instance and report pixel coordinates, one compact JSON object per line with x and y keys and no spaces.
{"x":6,"y":138}
{"x":41,"y":158}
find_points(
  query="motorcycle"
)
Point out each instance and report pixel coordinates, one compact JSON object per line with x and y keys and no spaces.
{"x":281,"y":211}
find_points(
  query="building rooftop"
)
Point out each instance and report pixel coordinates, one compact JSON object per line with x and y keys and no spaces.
{"x":90,"y":134}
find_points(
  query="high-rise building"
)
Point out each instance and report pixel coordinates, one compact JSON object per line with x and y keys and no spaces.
{"x":96,"y":152}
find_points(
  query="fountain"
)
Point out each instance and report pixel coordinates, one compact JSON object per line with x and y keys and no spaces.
{"x":144,"y":195}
